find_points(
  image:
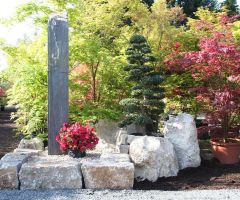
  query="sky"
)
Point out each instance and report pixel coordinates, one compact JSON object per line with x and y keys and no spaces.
{"x":13,"y":34}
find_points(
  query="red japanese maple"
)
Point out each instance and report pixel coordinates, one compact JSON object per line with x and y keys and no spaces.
{"x":77,"y":136}
{"x":217,"y":67}
{"x":2,"y":92}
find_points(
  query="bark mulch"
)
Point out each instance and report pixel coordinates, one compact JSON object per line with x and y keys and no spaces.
{"x":210,"y":175}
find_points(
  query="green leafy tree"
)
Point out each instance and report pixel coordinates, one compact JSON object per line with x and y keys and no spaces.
{"x":27,"y":76}
{"x":145,"y":105}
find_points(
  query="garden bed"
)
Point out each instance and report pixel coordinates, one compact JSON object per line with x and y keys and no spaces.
{"x":210,"y":175}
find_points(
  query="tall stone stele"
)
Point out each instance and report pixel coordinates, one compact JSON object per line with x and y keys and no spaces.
{"x":57,"y":78}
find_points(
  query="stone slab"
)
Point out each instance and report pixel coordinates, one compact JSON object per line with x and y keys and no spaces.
{"x":10,"y":165}
{"x":108,"y":174}
{"x":123,"y":148}
{"x":51,"y":172}
{"x":115,"y":157}
{"x":32,"y":152}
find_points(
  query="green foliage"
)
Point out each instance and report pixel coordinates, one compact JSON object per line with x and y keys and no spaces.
{"x":28,"y":77}
{"x":99,"y":34}
{"x":145,"y":105}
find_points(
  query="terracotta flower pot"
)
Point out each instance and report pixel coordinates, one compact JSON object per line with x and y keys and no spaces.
{"x":226,"y":153}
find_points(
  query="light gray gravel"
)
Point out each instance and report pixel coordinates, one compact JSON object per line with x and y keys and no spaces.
{"x":121,"y":195}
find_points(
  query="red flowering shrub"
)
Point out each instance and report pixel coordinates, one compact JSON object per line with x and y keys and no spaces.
{"x":77,"y":136}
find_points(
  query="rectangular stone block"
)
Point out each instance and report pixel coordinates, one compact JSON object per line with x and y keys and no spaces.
{"x":107,"y":174}
{"x":32,"y":152}
{"x":122,"y":139}
{"x":123,"y":148}
{"x":115,"y":157}
{"x":10,"y":166}
{"x":51,"y":172}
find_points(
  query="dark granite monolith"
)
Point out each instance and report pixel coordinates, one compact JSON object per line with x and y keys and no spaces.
{"x":57,"y":78}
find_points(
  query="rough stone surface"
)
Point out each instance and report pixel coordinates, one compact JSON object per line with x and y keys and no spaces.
{"x":130,"y":138}
{"x":110,"y":172}
{"x":153,"y":158}
{"x":182,"y":133}
{"x":133,"y":128}
{"x":10,"y":165}
{"x":107,"y":130}
{"x":115,"y":157}
{"x":123,"y":148}
{"x":51,"y":172}
{"x":104,"y":147}
{"x":34,"y":143}
{"x":32,"y":152}
{"x":206,"y":154}
{"x":121,"y":138}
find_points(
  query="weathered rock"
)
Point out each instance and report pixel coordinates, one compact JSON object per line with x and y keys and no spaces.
{"x":133,"y":128}
{"x":34,"y":143}
{"x":153,"y":158}
{"x":107,"y":130}
{"x":123,"y":148}
{"x":28,"y":151}
{"x":106,"y":173}
{"x":115,"y":157}
{"x":206,"y":154}
{"x":121,"y":137}
{"x":10,"y":165}
{"x":104,"y":147}
{"x":182,"y":133}
{"x":130,"y":138}
{"x":51,"y":172}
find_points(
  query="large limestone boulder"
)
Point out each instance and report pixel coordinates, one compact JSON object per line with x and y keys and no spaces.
{"x":111,"y":171}
{"x":153,"y":157}
{"x":51,"y":172}
{"x":10,"y":165}
{"x":34,"y":143}
{"x":182,"y":133}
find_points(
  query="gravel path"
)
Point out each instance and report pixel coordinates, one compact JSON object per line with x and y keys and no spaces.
{"x":121,"y":195}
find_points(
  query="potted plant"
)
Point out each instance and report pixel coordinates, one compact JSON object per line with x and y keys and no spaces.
{"x":76,"y":139}
{"x":224,"y":127}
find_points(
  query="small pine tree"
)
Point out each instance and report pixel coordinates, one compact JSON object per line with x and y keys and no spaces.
{"x":191,"y":6}
{"x":145,"y":105}
{"x":231,"y":6}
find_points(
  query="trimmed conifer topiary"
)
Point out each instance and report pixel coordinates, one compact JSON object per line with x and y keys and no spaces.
{"x":145,"y":104}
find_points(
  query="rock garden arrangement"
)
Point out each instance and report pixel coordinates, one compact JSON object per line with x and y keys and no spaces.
{"x":97,"y":118}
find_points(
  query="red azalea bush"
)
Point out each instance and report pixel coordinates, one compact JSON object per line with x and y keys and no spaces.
{"x":77,"y":136}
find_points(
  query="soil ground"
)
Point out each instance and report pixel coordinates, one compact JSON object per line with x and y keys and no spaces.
{"x":210,"y":175}
{"x":8,"y":140}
